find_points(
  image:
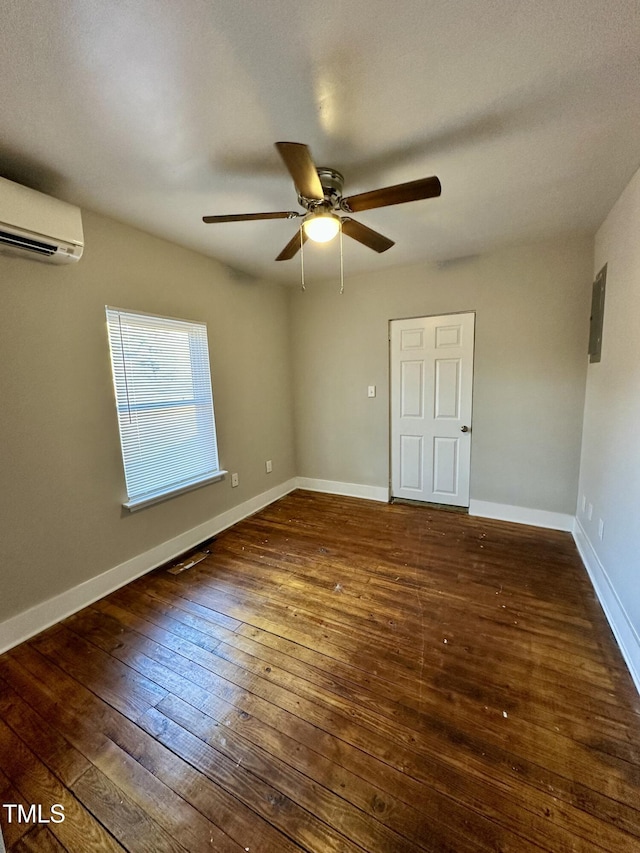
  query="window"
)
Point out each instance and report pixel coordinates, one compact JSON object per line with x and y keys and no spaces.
{"x":165,"y":405}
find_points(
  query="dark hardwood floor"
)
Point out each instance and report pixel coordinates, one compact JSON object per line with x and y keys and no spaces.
{"x":338,"y":675}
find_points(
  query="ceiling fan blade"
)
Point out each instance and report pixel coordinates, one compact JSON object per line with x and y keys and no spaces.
{"x":298,"y":160}
{"x":398,"y":194}
{"x":292,"y":247}
{"x":243,"y":217}
{"x":366,"y":236}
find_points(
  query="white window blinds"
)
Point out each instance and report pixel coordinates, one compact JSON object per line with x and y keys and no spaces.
{"x":165,"y":405}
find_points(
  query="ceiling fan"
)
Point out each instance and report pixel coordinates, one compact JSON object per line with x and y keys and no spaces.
{"x":320,"y":193}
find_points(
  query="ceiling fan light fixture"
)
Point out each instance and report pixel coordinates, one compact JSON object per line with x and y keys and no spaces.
{"x":321,"y":227}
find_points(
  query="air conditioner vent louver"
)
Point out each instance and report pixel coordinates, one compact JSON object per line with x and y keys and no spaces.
{"x":26,"y":243}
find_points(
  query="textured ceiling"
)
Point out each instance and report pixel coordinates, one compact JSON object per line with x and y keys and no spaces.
{"x":157,"y":112}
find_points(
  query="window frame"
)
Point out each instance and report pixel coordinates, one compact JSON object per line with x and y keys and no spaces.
{"x":201,"y":401}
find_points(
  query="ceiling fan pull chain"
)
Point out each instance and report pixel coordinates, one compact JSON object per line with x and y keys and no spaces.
{"x":302,"y":259}
{"x":341,"y":263}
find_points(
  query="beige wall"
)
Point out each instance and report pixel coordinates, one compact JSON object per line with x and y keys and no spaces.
{"x":610,"y":469}
{"x":62,"y":480}
{"x":532,"y":307}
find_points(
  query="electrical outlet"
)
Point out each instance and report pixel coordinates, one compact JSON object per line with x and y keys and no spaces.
{"x":268,"y":466}
{"x":600,"y":528}
{"x":589,"y":511}
{"x":234,"y":480}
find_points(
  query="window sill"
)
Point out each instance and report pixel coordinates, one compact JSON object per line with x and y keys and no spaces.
{"x":158,"y":497}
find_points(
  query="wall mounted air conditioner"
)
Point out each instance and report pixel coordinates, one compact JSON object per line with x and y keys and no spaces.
{"x":36,"y":226}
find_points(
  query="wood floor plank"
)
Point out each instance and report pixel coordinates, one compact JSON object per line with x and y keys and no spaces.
{"x":443,"y":773}
{"x":405,"y":737}
{"x":185,"y":823}
{"x":362,"y":585}
{"x":106,"y":724}
{"x":79,"y":830}
{"x":247,"y":704}
{"x":363,"y":830}
{"x":80,"y":722}
{"x":126,"y":821}
{"x":337,"y":606}
{"x":369,"y":833}
{"x":419,"y":828}
{"x":319,"y":631}
{"x":287,"y":780}
{"x":302,"y":826}
{"x":125,"y":690}
{"x":37,"y":840}
{"x":338,"y":675}
{"x":52,"y":749}
{"x":12,"y":830}
{"x":118,"y":640}
{"x":168,"y":611}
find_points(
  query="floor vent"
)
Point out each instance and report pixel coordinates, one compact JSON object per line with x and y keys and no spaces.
{"x":191,"y":558}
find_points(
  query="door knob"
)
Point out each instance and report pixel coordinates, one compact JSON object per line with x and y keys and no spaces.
{"x":465,"y":428}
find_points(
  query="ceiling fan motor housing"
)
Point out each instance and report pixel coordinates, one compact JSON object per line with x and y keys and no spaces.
{"x":332,"y":183}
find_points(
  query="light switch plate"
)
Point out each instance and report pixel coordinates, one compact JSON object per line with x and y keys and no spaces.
{"x":371,"y":391}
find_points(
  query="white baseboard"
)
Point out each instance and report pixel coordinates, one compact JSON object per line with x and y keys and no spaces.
{"x":522,"y":515}
{"x":351,"y":490}
{"x":19,"y":628}
{"x":623,"y":630}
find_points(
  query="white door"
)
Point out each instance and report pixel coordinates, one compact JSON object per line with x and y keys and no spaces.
{"x":431,"y":387}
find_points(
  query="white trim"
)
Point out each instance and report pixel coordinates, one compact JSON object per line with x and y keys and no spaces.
{"x":351,"y":490}
{"x":19,"y":628}
{"x":140,"y":503}
{"x":522,"y":515}
{"x":619,"y":622}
